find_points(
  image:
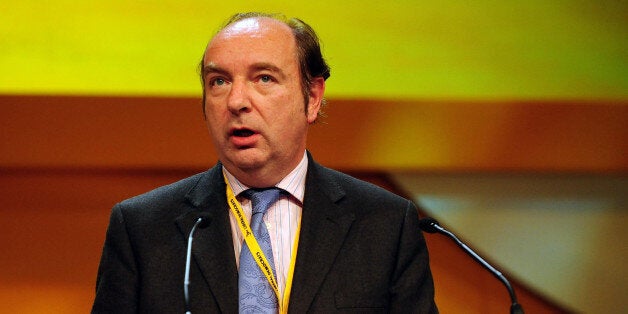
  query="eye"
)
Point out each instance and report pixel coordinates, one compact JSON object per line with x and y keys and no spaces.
{"x":266,"y":79}
{"x":217,"y":82}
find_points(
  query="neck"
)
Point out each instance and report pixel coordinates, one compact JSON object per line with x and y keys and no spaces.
{"x":257,"y":179}
{"x":262,"y":177}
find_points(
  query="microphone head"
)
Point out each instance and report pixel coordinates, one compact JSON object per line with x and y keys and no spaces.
{"x":428,"y":224}
{"x":204,"y":220}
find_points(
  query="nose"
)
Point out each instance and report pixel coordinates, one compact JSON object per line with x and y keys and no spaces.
{"x":238,"y":100}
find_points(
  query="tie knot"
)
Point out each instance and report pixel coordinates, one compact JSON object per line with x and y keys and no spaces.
{"x":261,"y":199}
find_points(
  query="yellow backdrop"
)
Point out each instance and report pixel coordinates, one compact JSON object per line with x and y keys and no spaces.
{"x":383,"y":49}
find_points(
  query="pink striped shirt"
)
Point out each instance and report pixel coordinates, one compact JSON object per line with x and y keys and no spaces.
{"x":282,"y":219}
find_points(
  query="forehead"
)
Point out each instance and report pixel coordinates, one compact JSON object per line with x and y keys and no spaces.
{"x":257,"y":38}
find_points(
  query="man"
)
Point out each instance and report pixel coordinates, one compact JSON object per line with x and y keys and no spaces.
{"x":338,"y":244}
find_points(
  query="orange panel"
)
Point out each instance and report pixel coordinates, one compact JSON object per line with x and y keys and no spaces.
{"x":106,"y":132}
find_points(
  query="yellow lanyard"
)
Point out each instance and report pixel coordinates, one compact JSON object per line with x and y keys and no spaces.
{"x":257,"y":252}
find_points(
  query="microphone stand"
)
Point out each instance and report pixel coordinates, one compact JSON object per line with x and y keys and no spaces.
{"x":430,"y":225}
{"x":186,"y":281}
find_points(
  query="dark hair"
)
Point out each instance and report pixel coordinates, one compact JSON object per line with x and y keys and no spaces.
{"x":310,"y":58}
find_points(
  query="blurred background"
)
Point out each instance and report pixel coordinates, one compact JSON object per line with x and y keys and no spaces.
{"x":506,"y":121}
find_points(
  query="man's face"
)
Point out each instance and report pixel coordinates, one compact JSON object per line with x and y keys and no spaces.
{"x":254,"y":104}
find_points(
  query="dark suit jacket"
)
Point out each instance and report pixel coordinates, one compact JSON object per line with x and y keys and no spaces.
{"x":360,"y":250}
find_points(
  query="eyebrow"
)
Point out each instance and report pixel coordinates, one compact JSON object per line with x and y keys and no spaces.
{"x":261,"y":66}
{"x":213,"y":68}
{"x":265,"y":66}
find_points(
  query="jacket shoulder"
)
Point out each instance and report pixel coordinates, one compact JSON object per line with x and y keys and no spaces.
{"x":355,"y":188}
{"x":173,"y":192}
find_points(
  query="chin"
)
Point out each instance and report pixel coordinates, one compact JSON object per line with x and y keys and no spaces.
{"x":247,"y":160}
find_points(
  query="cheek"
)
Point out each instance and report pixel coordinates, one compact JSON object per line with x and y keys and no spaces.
{"x":213,"y":110}
{"x":213,"y":122}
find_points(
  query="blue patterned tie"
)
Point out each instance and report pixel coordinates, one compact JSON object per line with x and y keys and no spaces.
{"x":255,"y":293}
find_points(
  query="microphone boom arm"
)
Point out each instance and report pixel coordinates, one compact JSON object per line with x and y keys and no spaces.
{"x":186,"y":281}
{"x":430,"y":225}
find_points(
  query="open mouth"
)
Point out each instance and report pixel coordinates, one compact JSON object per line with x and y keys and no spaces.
{"x":243,"y":133}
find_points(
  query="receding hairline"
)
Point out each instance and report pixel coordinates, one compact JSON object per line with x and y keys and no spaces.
{"x":229,"y":26}
{"x":259,"y":19}
{"x":239,"y":17}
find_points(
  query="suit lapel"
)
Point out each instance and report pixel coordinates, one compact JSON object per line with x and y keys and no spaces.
{"x":324,"y":226}
{"x":213,"y":246}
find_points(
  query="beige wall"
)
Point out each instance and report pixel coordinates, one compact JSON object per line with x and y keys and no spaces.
{"x":561,"y":234}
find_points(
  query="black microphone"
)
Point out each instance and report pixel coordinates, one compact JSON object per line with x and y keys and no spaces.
{"x":201,"y":222}
{"x":430,"y":225}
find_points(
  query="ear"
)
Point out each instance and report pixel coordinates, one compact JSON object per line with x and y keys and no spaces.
{"x":317,"y":90}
